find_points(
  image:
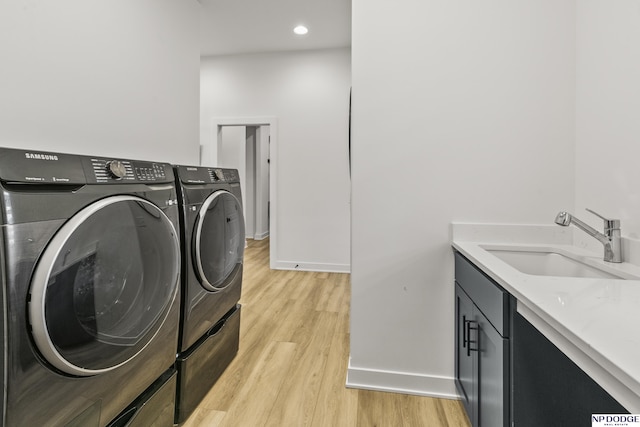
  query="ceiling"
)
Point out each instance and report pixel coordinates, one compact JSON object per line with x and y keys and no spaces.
{"x":251,"y":26}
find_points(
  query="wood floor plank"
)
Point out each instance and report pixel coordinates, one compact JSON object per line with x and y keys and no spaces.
{"x":454,"y":412}
{"x":298,"y":395}
{"x":254,"y":403}
{"x":336,"y":405}
{"x":204,"y":417}
{"x":377,"y":409}
{"x":303,"y":289}
{"x":332,"y":294}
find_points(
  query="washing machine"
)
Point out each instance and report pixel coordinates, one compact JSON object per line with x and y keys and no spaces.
{"x":90,"y":266}
{"x":213,"y":242}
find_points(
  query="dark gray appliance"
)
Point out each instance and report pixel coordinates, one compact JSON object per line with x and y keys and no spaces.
{"x":90,"y":263}
{"x":212,"y":249}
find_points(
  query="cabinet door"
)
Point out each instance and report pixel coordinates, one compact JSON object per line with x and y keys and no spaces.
{"x":466,"y":359}
{"x":493,"y":368}
{"x":549,"y":389}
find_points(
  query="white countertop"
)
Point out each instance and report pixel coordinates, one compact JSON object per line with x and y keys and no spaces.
{"x":595,"y":322}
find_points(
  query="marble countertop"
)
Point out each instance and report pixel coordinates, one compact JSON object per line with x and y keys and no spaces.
{"x":594,"y":321}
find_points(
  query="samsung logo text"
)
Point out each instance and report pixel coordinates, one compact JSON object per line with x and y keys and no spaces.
{"x":39,"y":156}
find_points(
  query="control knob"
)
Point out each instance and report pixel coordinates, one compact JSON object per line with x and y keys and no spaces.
{"x":116,"y":169}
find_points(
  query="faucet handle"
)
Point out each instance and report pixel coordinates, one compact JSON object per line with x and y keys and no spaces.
{"x":611,"y":224}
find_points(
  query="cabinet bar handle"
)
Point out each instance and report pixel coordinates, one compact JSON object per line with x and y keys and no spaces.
{"x":475,"y":327}
{"x":464,"y":331}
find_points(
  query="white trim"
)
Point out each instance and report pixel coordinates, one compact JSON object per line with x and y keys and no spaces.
{"x":261,"y":236}
{"x":272,"y":122}
{"x":401,"y":382}
{"x":261,"y":169}
{"x":310,"y":266}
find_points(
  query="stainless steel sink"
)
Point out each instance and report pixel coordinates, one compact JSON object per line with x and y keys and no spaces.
{"x":546,"y":262}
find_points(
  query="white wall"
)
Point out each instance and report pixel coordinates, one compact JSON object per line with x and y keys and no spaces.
{"x":106,"y":77}
{"x":308,"y":93}
{"x":462,"y":111}
{"x":608,"y":114}
{"x":232,"y":153}
{"x":236,"y":150}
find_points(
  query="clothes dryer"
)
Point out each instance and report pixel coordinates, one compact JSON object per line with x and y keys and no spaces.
{"x":213,"y":242}
{"x":90,"y":275}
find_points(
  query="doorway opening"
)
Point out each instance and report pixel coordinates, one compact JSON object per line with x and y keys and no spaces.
{"x":249,"y":145}
{"x":246,"y":148}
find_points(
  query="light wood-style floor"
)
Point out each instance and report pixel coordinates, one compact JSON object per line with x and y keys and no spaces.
{"x":292,"y":363}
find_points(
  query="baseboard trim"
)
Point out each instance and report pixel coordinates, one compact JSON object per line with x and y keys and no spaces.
{"x":311,"y":266}
{"x":401,"y":382}
{"x":261,"y":236}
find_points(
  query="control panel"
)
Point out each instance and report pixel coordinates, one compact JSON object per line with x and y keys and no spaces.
{"x":216,"y":175}
{"x":46,"y":168}
{"x":204,"y":175}
{"x":231,"y":175}
{"x":108,"y":170}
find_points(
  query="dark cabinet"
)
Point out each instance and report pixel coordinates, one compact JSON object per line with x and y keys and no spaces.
{"x":482,"y":363}
{"x":507,"y":372}
{"x":466,"y":362}
{"x":548,"y":388}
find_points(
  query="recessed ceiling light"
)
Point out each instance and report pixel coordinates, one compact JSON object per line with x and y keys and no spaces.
{"x":301,"y":30}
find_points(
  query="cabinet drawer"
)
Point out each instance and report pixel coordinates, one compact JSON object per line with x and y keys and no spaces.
{"x":492,"y":300}
{"x":200,"y":367}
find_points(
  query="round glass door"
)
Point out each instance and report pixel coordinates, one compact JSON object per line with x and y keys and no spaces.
{"x":104,"y":285}
{"x":219,"y":240}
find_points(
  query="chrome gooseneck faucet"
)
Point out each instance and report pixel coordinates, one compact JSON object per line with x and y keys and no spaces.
{"x":610,"y":239}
